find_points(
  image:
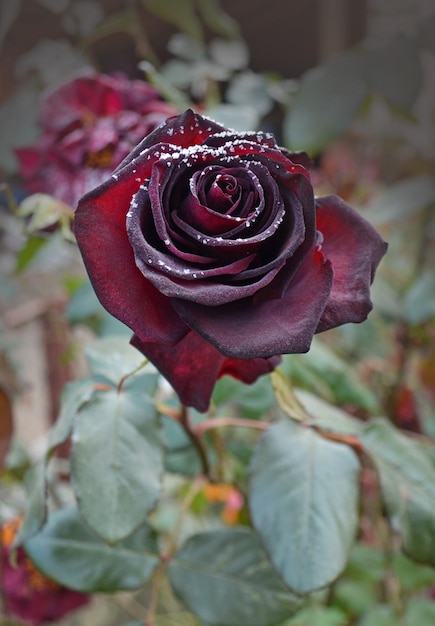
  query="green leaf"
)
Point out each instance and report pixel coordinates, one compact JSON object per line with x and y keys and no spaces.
{"x":318,"y":616}
{"x":252,"y":401}
{"x":239,"y":118}
{"x":83,"y":304}
{"x":354,"y":596}
{"x":303,"y":502}
{"x":113,"y":358}
{"x":401,"y":200}
{"x":162,"y":84}
{"x":217,"y":19}
{"x":395,"y":71}
{"x":36,"y":512}
{"x":74,"y":395}
{"x":29,"y":251}
{"x":420,"y":611}
{"x":328,"y":101}
{"x":366,"y":563}
{"x":117,"y":461}
{"x":329,"y":417}
{"x":233,"y":55}
{"x":225,"y":578}
{"x":179,"y":14}
{"x":68,"y":552}
{"x":412,"y":576}
{"x":247,"y":88}
{"x":286,"y":397}
{"x":419,"y":300}
{"x":407,"y":478}
{"x":379,"y":615}
{"x":43,"y":211}
{"x":181,"y":457}
{"x":321,"y":369}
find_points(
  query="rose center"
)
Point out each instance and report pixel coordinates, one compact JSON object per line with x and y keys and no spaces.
{"x":223,"y":193}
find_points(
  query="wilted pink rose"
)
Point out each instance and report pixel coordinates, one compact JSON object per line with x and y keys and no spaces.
{"x":89,"y":124}
{"x":211,"y":247}
{"x":26,"y":592}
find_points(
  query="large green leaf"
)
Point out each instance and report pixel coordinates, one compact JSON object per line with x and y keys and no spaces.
{"x":225,"y":578}
{"x":329,"y":99}
{"x":117,"y":461}
{"x":407,"y":478}
{"x":303,"y":501}
{"x":67,"y":551}
{"x":74,"y":395}
{"x":113,"y":357}
{"x":395,"y":71}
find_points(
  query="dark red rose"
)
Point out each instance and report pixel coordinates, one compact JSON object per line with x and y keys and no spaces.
{"x":26,"y":592}
{"x":89,"y":124}
{"x":211,"y":247}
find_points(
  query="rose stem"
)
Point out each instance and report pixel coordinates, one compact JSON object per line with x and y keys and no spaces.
{"x":195,"y":439}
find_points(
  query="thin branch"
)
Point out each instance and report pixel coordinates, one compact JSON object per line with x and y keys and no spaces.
{"x":223,"y":422}
{"x":165,"y":559}
{"x":196,"y":440}
{"x":132,"y":373}
{"x":349,"y":440}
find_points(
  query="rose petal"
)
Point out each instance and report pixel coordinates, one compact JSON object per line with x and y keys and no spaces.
{"x":99,"y":226}
{"x":248,"y":370}
{"x":281,"y":325}
{"x":87,"y":95}
{"x":193,"y":366}
{"x":186,"y":130}
{"x":355,"y":249}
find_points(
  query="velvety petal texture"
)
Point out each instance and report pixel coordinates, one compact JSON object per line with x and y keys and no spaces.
{"x":210,"y":245}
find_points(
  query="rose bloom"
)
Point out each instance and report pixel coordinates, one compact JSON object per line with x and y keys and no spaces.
{"x":89,"y":124}
{"x":26,"y":592}
{"x":210,"y":245}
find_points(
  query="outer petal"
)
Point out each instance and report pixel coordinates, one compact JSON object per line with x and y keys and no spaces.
{"x":99,"y":226}
{"x":185,"y":130}
{"x":193,"y":366}
{"x":282,"y":325}
{"x":354,"y":248}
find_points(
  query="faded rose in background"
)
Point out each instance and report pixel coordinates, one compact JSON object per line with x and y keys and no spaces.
{"x":26,"y":592}
{"x":211,"y":247}
{"x":89,"y":124}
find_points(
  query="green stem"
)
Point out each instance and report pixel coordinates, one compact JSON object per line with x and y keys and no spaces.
{"x":13,"y":207}
{"x":132,"y":373}
{"x":172,"y":547}
{"x":195,"y":439}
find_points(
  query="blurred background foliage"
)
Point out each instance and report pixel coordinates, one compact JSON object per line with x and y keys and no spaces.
{"x":351,"y":83}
